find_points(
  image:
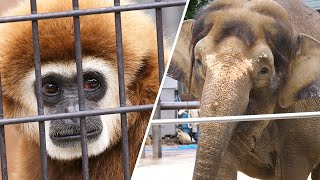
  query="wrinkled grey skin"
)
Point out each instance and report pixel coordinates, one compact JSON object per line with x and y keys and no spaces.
{"x":297,"y":140}
{"x":281,"y":149}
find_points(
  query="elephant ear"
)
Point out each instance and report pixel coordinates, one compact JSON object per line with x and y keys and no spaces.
{"x":303,"y":79}
{"x":179,"y":68}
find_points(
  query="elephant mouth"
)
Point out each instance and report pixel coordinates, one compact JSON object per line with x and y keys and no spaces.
{"x":312,"y":90}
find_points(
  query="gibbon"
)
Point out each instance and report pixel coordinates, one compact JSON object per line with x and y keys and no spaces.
{"x":57,"y":53}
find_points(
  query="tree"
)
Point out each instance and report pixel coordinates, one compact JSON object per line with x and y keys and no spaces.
{"x":194,"y":6}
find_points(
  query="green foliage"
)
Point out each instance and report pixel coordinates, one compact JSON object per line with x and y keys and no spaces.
{"x":194,"y":6}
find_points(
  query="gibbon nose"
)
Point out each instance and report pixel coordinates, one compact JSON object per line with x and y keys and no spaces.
{"x":72,"y":107}
{"x":71,"y":121}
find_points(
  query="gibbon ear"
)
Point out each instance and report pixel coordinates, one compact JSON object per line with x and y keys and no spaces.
{"x":303,"y":79}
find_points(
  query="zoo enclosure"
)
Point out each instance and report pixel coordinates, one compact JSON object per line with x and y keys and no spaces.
{"x":82,"y":114}
{"x":157,"y":121}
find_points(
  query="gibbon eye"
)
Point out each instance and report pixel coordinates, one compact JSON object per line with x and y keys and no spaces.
{"x":91,"y":84}
{"x":50,"y":89}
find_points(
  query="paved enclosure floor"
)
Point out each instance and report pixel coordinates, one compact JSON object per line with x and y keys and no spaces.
{"x":176,"y":164}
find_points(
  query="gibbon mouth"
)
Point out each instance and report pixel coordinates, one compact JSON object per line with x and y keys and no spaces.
{"x":69,"y":140}
{"x":75,"y":137}
{"x":65,"y":133}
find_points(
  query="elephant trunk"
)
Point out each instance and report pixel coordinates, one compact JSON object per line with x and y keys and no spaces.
{"x":225,"y":93}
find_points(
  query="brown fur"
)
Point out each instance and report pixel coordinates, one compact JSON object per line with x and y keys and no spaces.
{"x":57,"y":45}
{"x":11,"y":143}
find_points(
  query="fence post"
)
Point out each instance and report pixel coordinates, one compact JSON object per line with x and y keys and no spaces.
{"x":143,"y":155}
{"x":156,"y":134}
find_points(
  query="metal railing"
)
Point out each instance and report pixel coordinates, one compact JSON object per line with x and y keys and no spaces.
{"x":82,"y":114}
{"x":156,"y":122}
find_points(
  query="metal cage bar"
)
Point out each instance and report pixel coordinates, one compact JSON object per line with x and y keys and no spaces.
{"x":122,"y":93}
{"x":38,"y":84}
{"x":156,"y":129}
{"x":160,"y":42}
{"x":53,"y":117}
{"x":93,"y":11}
{"x":156,"y":135}
{"x":196,"y":105}
{"x":260,"y":117}
{"x":179,"y":105}
{"x":3,"y":153}
{"x":81,"y":99}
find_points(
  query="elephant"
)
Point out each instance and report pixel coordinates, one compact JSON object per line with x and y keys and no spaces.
{"x":245,"y":57}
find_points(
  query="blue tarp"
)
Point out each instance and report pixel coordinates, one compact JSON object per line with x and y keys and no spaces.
{"x":175,"y":148}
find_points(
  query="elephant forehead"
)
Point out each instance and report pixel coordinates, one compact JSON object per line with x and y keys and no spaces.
{"x":246,"y":20}
{"x":248,"y":26}
{"x":265,"y":7}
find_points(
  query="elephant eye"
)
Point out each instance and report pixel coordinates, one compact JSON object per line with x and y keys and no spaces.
{"x":198,"y":61}
{"x":264,"y":70}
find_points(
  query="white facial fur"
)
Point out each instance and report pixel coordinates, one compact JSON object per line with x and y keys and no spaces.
{"x":111,"y":123}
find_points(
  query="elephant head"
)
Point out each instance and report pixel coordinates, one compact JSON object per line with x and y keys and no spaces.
{"x":242,"y":57}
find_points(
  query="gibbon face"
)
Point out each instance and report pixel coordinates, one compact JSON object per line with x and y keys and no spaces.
{"x":58,"y":71}
{"x":60,"y":95}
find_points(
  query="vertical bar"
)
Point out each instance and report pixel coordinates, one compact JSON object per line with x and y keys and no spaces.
{"x":156,"y":134}
{"x":156,"y":129}
{"x":36,"y":49}
{"x":83,"y":132}
{"x":160,"y":42}
{"x":143,"y":155}
{"x":122,"y":93}
{"x":4,"y":168}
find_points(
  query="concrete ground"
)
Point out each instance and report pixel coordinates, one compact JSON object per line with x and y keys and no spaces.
{"x":177,"y":163}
